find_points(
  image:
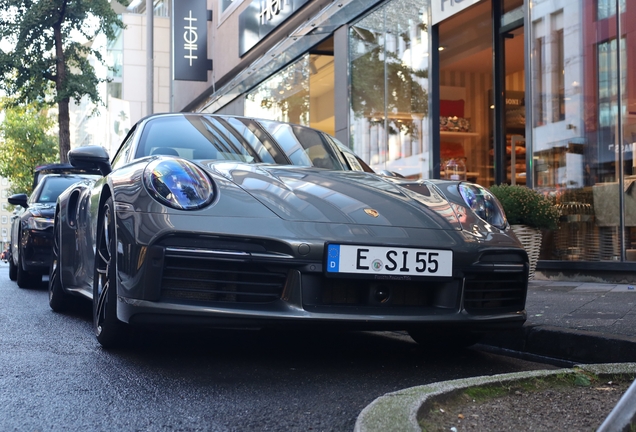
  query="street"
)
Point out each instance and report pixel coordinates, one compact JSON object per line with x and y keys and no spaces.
{"x":55,"y":376}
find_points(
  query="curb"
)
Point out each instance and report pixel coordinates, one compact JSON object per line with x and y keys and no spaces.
{"x":578,"y":346}
{"x":399,"y":410}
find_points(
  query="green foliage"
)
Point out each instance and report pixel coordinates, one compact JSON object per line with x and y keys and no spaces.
{"x":525,"y":206}
{"x":44,"y":61}
{"x":40,"y":33}
{"x":27,"y":143}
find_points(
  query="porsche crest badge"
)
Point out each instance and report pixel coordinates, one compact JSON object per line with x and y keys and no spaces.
{"x":371,"y":212}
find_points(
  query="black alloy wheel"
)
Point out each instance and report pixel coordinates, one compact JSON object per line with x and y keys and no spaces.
{"x":13,"y":269}
{"x":59,"y":301}
{"x":108,"y":329}
{"x":26,"y":279}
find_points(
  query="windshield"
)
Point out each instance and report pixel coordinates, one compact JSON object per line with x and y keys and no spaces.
{"x":201,"y":137}
{"x":51,"y":187}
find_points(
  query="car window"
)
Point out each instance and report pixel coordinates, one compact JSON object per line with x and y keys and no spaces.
{"x":353,"y":160}
{"x":303,"y":146}
{"x":122,"y":155}
{"x":51,"y":187}
{"x":240,"y":133}
{"x":190,"y":137}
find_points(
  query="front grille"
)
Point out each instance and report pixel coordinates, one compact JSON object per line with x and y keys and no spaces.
{"x":390,"y":296}
{"x":214,"y":280}
{"x":499,"y":289}
{"x":345,"y":292}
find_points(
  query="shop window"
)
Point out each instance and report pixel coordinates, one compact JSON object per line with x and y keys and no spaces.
{"x":558,"y":74}
{"x":607,"y":8}
{"x":226,"y":7}
{"x":581,"y":78}
{"x":5,"y":219}
{"x":549,"y":73}
{"x":607,"y":82}
{"x":538,"y":87}
{"x":284,"y":96}
{"x":389,"y":87}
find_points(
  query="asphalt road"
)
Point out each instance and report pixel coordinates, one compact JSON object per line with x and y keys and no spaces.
{"x":54,"y":376}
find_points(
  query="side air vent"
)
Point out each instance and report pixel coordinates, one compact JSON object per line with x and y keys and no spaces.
{"x":215,"y":280}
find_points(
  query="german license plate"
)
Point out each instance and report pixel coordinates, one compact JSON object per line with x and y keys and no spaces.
{"x":389,"y":260}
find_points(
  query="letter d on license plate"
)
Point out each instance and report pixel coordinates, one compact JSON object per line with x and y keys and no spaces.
{"x":389,"y":260}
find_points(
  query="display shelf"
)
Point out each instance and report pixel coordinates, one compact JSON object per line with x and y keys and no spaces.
{"x":450,"y":134}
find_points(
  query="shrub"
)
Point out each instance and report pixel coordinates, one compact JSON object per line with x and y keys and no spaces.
{"x":525,"y":206}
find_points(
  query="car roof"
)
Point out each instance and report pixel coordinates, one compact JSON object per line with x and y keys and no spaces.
{"x":59,"y":168}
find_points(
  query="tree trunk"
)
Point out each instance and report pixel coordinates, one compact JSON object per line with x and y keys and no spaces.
{"x":60,"y":84}
{"x":64,"y":133}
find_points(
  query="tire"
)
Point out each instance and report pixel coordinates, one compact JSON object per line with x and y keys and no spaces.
{"x":59,"y":300}
{"x":13,"y":270}
{"x":445,"y":340}
{"x":110,"y":332}
{"x":26,"y":279}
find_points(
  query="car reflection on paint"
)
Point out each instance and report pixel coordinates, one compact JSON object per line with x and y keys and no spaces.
{"x":230,"y":221}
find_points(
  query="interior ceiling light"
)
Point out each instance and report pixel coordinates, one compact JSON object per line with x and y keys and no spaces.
{"x":441,"y":48}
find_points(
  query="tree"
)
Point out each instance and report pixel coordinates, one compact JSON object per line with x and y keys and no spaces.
{"x":46,"y":61}
{"x":27,"y":144}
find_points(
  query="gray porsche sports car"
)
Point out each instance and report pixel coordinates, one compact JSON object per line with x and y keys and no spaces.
{"x":237,"y":222}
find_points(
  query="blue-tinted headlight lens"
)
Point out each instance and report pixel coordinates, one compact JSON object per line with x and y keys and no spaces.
{"x":483,"y":204}
{"x":179,"y":184}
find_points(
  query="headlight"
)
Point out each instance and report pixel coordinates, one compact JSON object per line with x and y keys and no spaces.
{"x":39,"y":223}
{"x":179,"y":184}
{"x":483,"y":204}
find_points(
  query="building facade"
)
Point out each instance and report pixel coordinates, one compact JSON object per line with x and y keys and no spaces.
{"x":5,"y":214}
{"x":534,"y":92}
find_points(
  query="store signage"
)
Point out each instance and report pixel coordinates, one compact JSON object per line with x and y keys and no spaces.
{"x":261,"y":17}
{"x":442,"y":9}
{"x":190,"y":40}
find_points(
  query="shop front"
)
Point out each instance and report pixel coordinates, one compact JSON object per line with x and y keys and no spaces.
{"x":534,"y":93}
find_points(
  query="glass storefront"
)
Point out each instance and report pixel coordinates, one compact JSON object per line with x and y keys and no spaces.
{"x":584,"y":125}
{"x":302,"y":93}
{"x":388,"y":51}
{"x":564,"y":123}
{"x":283,"y":97}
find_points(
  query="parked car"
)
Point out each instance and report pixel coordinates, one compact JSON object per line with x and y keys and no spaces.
{"x":230,"y":221}
{"x":32,"y":229}
{"x":59,"y":168}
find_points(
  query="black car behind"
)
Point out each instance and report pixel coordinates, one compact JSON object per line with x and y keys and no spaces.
{"x":32,"y":228}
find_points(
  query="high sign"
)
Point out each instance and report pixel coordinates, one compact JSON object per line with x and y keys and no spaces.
{"x":442,"y":9}
{"x":261,"y":17}
{"x":190,"y":40}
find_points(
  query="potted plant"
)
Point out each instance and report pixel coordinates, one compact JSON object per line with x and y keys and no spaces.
{"x":528,"y":213}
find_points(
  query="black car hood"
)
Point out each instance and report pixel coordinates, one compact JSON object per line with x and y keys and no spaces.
{"x":310,"y":194}
{"x":46,"y":210}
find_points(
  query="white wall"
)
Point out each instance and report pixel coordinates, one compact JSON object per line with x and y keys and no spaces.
{"x":134,"y":65}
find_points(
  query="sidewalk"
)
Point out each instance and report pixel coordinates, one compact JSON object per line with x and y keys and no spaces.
{"x":606,"y":308}
{"x":580,"y":322}
{"x":577,"y":322}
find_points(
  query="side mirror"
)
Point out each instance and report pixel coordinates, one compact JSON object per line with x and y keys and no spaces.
{"x":88,"y":157}
{"x":19,"y":199}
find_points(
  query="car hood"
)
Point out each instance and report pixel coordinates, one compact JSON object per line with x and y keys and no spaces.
{"x":310,"y":194}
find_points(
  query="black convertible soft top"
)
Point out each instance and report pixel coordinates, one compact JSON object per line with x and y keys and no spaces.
{"x":59,"y":168}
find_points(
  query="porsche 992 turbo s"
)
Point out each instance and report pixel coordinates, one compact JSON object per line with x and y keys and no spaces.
{"x":217,"y":220}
